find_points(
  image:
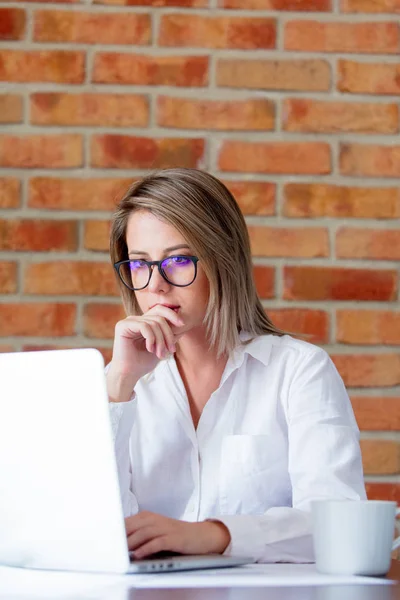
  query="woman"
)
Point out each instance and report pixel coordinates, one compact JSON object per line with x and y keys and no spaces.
{"x":225,"y":427}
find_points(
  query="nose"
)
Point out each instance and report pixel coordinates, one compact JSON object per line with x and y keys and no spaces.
{"x":157,"y":283}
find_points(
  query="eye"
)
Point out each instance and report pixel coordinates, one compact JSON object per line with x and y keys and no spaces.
{"x":180,"y":260}
{"x":134,"y":265}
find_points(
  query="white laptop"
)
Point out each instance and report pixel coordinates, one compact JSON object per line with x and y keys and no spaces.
{"x":60,"y":504}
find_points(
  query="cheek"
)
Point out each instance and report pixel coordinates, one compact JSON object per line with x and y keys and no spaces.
{"x":202,"y":290}
{"x":141,"y":302}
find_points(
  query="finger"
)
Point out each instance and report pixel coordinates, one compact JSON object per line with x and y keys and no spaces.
{"x":159,"y":346}
{"x":131,"y":524}
{"x":141,"y":519}
{"x":167,"y":313}
{"x":134,"y":329}
{"x":142,"y":536}
{"x":149,"y":336}
{"x":156,"y":545}
{"x":168,"y":334}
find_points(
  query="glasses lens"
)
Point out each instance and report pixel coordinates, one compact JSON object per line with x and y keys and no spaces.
{"x":135,"y":273}
{"x":179,"y":270}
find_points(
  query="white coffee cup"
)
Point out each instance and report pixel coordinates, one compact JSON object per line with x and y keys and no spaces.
{"x":354,"y":537}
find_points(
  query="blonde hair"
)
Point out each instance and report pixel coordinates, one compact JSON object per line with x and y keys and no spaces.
{"x":204,"y":211}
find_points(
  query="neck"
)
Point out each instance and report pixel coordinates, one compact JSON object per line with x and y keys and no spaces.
{"x":194,"y":355}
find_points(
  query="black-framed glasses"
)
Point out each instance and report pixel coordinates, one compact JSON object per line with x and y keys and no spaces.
{"x":177,"y":270}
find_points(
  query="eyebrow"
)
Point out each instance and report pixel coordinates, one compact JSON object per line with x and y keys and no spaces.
{"x":170,"y":249}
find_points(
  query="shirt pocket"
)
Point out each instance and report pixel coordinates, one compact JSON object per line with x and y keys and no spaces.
{"x":250,"y":474}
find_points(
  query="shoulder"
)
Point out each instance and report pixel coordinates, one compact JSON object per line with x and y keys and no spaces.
{"x":286,"y":350}
{"x":305,"y":366}
{"x":296,"y":350}
{"x":292,"y":359}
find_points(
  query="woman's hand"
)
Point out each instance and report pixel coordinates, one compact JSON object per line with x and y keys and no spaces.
{"x":149,"y":533}
{"x":139,"y":343}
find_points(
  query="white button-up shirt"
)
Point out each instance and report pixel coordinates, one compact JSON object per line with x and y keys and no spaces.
{"x":278,"y":433}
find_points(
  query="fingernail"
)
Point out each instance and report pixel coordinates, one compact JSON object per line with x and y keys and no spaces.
{"x":173,"y":348}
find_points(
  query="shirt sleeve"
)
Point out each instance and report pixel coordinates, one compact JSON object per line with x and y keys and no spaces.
{"x":121,"y":418}
{"x":324,"y":462}
{"x":122,"y":415}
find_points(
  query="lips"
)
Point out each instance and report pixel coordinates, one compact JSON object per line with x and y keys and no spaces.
{"x":173,"y":307}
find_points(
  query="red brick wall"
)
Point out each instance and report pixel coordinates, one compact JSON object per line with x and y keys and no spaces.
{"x":293,"y":103}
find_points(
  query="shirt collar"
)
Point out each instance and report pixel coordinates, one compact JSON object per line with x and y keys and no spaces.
{"x":258,"y":347}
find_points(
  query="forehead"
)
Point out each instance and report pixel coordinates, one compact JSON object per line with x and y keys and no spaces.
{"x":146,"y":232}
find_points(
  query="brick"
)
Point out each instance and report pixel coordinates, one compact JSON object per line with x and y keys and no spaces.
{"x":186,"y":113}
{"x":37,"y":319}
{"x":217,"y":32}
{"x":313,"y":200}
{"x":91,"y":28}
{"x":295,"y":5}
{"x":372,"y":160}
{"x":264,"y":278}
{"x":8,"y":277}
{"x":368,"y":327}
{"x":12,"y":23}
{"x":380,"y":244}
{"x":297,"y":158}
{"x":10,"y":191}
{"x":97,"y":235}
{"x":156,"y":3}
{"x":107,"y":110}
{"x":44,"y":66}
{"x":48,"y":1}
{"x":134,"y":69}
{"x":76,"y":194}
{"x":106,"y":353}
{"x":368,"y":370}
{"x":380,"y":457}
{"x":370,"y":6}
{"x":253,"y":197}
{"x":377,"y":413}
{"x":44,"y":347}
{"x":41,"y":151}
{"x":289,"y":242}
{"x":99,"y":320}
{"x":313,"y":325}
{"x":11,"y":108}
{"x":333,"y":283}
{"x":368,"y":78}
{"x":130,"y":152}
{"x":332,"y":117}
{"x":312,"y":75}
{"x":316,"y":36}
{"x":383,"y":491}
{"x":70,"y":277}
{"x":38,"y":235}
{"x":6,"y":348}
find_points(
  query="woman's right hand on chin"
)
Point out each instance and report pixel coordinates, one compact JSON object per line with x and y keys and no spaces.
{"x":140,"y":342}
